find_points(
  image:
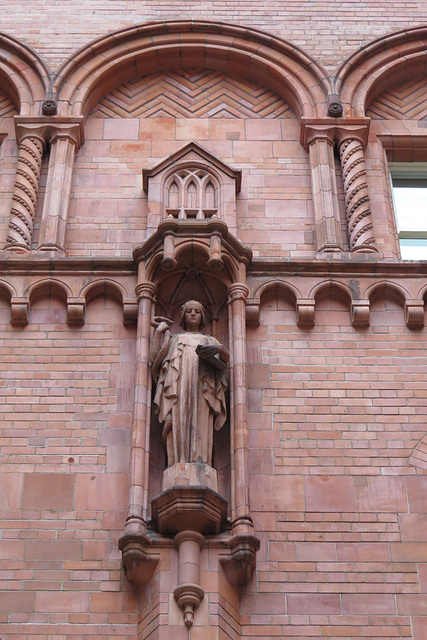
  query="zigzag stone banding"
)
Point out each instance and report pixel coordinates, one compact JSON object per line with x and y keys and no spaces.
{"x":192,"y":93}
{"x":405,"y":102}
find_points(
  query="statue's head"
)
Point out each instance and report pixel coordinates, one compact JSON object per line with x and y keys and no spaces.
{"x":187,"y":305}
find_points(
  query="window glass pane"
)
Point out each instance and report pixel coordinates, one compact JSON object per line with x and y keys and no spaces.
{"x":413,"y":249}
{"x":411,"y":208}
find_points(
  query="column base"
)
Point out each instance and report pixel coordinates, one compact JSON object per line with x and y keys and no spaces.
{"x":50,"y":246}
{"x":16,"y":247}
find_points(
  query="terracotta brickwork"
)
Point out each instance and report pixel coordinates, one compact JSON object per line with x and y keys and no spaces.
{"x":280,"y":120}
{"x":405,"y":102}
{"x":191,"y":93}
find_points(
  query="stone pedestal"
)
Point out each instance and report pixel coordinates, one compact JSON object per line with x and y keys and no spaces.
{"x":192,"y":474}
{"x":189,"y":500}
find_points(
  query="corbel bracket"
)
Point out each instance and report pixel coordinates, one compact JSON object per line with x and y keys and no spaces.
{"x":139,"y":562}
{"x":239,"y":563}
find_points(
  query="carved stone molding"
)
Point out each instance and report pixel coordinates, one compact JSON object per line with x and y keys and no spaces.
{"x":305,"y":312}
{"x":189,"y":507}
{"x":76,"y":308}
{"x":138,"y":560}
{"x":334,"y":130}
{"x":239,"y":563}
{"x":211,"y":237}
{"x":20,"y":311}
{"x":360,"y":313}
{"x":414,"y":314}
{"x":49,"y":128}
{"x":252,"y":312}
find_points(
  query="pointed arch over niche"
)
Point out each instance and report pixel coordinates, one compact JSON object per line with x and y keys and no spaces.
{"x":191,"y":184}
{"x":24,"y":78}
{"x":384,"y":63}
{"x":139,"y":51}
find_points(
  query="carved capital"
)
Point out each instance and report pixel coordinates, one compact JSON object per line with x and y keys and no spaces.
{"x":27,"y":127}
{"x":237,"y":291}
{"x":50,"y":128}
{"x":353,"y":129}
{"x":146,"y":290}
{"x":360,"y":313}
{"x":305,"y":312}
{"x":334,"y":130}
{"x":414,"y":314}
{"x":313,"y":130}
{"x":20,"y":311}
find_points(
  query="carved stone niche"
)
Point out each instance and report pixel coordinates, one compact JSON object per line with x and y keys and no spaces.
{"x":191,"y":184}
{"x":200,"y":498}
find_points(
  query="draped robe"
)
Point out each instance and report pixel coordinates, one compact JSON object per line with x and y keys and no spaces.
{"x":189,"y":400}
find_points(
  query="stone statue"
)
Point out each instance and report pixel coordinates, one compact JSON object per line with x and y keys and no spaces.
{"x":189,"y":369}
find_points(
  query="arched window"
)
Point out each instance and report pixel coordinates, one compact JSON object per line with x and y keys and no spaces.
{"x":191,"y":193}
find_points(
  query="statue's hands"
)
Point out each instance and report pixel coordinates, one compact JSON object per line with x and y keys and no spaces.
{"x":162,"y":327}
{"x":207,"y":350}
{"x":161,"y":324}
{"x":216,"y":354}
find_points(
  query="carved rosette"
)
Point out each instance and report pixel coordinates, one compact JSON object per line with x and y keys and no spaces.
{"x":356,"y":196}
{"x":24,"y":197}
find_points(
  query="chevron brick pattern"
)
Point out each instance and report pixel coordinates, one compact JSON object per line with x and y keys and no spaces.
{"x":7,"y":107}
{"x":192,"y":93}
{"x":407,"y":101}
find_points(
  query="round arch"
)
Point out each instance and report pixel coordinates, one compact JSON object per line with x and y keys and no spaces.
{"x":384,"y":62}
{"x":48,"y":286}
{"x":106,"y":287}
{"x":332,"y":286}
{"x":139,"y":51}
{"x":281,"y":285}
{"x":23,"y":75}
{"x":400,"y":291}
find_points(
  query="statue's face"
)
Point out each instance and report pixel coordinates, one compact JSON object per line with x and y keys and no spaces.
{"x":193,"y":316}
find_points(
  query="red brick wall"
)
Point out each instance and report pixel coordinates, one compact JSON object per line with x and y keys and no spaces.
{"x":334,"y":411}
{"x":327,"y":32}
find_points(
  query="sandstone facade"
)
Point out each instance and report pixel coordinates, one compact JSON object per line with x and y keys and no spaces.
{"x":236,"y":153}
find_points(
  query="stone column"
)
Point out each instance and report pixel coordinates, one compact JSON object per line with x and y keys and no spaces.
{"x":138,"y":493}
{"x":31,"y":141}
{"x":319,"y":142}
{"x":66,"y":135}
{"x":357,"y":205}
{"x":241,"y":519}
